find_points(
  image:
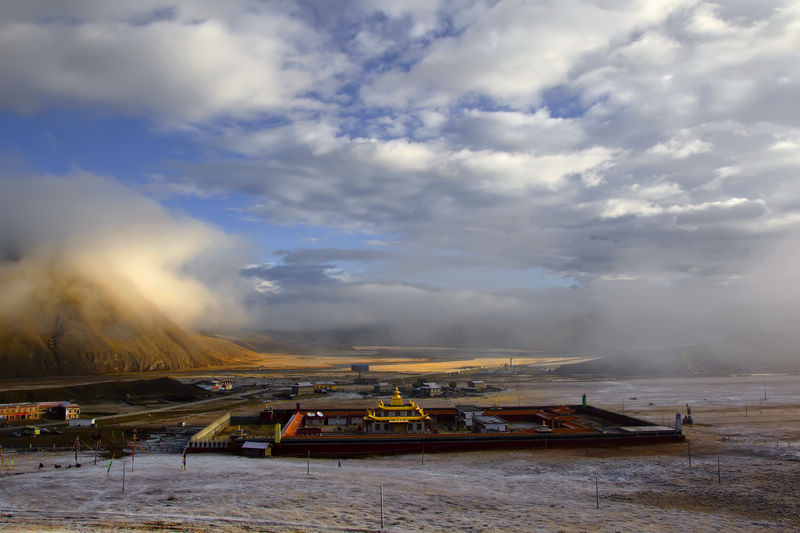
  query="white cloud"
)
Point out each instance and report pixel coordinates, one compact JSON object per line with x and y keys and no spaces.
{"x":510,"y":52}
{"x":619,"y":207}
{"x":681,"y":146}
{"x":188,"y":67}
{"x":503,"y":171}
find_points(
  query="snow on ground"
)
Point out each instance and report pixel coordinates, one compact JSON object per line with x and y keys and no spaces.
{"x":648,"y":488}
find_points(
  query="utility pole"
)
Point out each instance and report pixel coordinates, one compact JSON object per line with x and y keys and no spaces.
{"x":596,"y":492}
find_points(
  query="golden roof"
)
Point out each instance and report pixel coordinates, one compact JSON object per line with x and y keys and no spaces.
{"x":397,"y":404}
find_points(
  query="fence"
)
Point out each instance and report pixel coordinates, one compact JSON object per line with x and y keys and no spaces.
{"x":209,"y":444}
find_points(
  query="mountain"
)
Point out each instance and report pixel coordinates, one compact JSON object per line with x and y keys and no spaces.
{"x":74,"y":326}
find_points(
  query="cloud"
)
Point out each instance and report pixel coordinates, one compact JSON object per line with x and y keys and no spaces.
{"x":189,"y":62}
{"x":94,"y":229}
{"x":681,"y":146}
{"x":643,"y":153}
{"x":316,"y":255}
{"x":511,"y":52}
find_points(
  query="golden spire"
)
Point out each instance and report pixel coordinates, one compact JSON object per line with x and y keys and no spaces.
{"x":396,"y":398}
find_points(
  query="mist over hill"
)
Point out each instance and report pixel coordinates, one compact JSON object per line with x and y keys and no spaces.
{"x":97,"y":279}
{"x":91,"y":288}
{"x":75,"y":326}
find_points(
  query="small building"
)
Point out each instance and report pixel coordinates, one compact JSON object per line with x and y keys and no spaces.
{"x":382,"y":388}
{"x":20,"y":411}
{"x":255,"y":448}
{"x":324,"y":386}
{"x":215,"y":385}
{"x":478,"y":385}
{"x":336,"y":420}
{"x":430,"y":390}
{"x":313,"y":419}
{"x":488,"y":424}
{"x":71,"y":410}
{"x":303,"y":388}
{"x":465,"y":413}
{"x":59,"y":410}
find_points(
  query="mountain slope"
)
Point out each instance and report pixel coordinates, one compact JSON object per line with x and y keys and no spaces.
{"x":71,"y":326}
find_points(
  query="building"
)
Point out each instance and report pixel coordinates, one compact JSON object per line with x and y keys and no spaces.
{"x":430,"y":390}
{"x":303,"y":388}
{"x":479,"y":385}
{"x":215,"y":385}
{"x":396,"y":417}
{"x":60,"y":410}
{"x":314,"y":419}
{"x":488,"y":424}
{"x":10,"y":412}
{"x":465,"y":413}
{"x":324,"y":386}
{"x":255,"y":449}
{"x":382,"y":388}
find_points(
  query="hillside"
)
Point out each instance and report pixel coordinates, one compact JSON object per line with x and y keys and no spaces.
{"x":73,"y":326}
{"x":93,"y":393}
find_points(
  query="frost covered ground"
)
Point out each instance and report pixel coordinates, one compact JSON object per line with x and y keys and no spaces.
{"x":640,"y":488}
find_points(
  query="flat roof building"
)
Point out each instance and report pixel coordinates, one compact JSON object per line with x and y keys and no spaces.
{"x":430,"y":389}
{"x":382,"y":388}
{"x":464,"y":414}
{"x":303,"y":388}
{"x":488,"y":424}
{"x":478,"y":384}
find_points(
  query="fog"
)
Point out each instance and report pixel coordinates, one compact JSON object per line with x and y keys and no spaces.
{"x":70,"y":233}
{"x":63,"y":237}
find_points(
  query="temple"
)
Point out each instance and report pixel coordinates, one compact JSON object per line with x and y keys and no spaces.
{"x":397,"y":417}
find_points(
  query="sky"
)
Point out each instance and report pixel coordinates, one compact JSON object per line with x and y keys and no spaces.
{"x":345,"y":164}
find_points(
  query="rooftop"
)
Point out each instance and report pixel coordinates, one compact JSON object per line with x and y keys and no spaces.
{"x":488,"y":419}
